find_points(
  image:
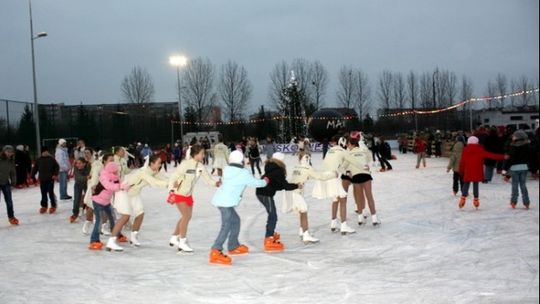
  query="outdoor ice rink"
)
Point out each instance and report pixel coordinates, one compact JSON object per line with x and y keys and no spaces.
{"x":426,"y":251}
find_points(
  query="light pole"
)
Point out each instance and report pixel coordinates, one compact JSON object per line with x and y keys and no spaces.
{"x":36,"y":110}
{"x":179,"y":61}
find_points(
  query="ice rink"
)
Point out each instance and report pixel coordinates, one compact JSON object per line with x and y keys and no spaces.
{"x":426,"y":251}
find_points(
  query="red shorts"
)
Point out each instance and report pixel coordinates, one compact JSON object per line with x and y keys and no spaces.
{"x":179,"y":199}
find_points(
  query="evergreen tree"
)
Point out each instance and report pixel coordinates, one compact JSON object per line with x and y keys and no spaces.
{"x":27,"y":129}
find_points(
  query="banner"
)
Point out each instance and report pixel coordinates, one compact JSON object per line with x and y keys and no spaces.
{"x":293,"y":148}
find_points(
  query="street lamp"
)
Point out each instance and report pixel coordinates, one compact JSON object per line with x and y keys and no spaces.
{"x":179,"y":61}
{"x":36,"y":110}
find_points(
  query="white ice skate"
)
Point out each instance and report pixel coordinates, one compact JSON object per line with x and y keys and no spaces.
{"x":375,"y":220}
{"x":113,"y":246}
{"x":300,"y":232}
{"x":345,"y":229}
{"x":173,"y":242}
{"x":183,"y":247}
{"x":133,"y":240}
{"x":86,"y":227}
{"x":361,"y":219}
{"x":309,"y":239}
{"x":104,"y":229}
{"x":334,"y":225}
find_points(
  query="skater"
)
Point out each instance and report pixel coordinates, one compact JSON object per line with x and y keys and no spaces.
{"x":357,"y":160}
{"x":516,"y":167}
{"x":221,"y":155}
{"x":453,"y":164}
{"x":471,"y":169}
{"x":294,"y":200}
{"x":420,"y":150}
{"x":177,"y":154}
{"x":128,"y":203}
{"x":95,"y":171}
{"x":7,"y":179}
{"x":269,"y":148}
{"x":385,"y":153}
{"x":48,"y":169}
{"x":275,"y":171}
{"x":23,"y":165}
{"x":235,"y":179}
{"x":181,"y":185}
{"x":254,"y":155}
{"x":493,"y":144}
{"x":109,"y":183}
{"x":81,"y":172}
{"x":333,"y":162}
{"x":121,"y":159}
{"x":62,"y":158}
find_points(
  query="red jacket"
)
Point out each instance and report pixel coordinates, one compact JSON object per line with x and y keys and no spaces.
{"x":419,"y":145}
{"x":471,"y":166}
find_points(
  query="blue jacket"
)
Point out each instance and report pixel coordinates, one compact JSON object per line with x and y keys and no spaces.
{"x":62,"y":158}
{"x":235,"y":180}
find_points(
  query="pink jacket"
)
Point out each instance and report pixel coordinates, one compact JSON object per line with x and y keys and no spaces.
{"x":110,"y":181}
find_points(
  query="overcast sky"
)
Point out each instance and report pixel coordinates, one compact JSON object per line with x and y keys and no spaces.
{"x":92,"y":45}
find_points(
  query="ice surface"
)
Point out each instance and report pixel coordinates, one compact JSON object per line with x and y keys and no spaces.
{"x":426,"y":251}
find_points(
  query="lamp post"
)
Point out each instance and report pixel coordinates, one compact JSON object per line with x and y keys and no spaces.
{"x":179,"y":61}
{"x":36,"y":110}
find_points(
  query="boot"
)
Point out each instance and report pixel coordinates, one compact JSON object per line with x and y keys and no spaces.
{"x":527,"y":206}
{"x":133,"y":240}
{"x":72,"y":219}
{"x":345,"y":229}
{"x":104,"y":229}
{"x":183,"y":246}
{"x":217,"y":257}
{"x":462,"y":202}
{"x":513,"y":205}
{"x":240,"y":250}
{"x":112,"y":245}
{"x":361,"y":219}
{"x":309,"y":239}
{"x":13,"y":221}
{"x":43,"y":210}
{"x":334,"y":225}
{"x":476,"y":202}
{"x":52,"y":210}
{"x":86,"y":227}
{"x":95,"y":246}
{"x":375,"y":220}
{"x":273,"y":245}
{"x":173,"y":241}
{"x":300,"y":232}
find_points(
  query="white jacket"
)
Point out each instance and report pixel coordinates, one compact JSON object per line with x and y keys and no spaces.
{"x":186,"y":176}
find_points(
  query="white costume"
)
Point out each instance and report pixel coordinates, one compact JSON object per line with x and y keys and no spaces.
{"x":294,"y":200}
{"x":221,"y":155}
{"x":333,"y":162}
{"x":95,"y":170}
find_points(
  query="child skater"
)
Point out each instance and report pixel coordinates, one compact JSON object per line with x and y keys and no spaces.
{"x":235,"y":179}
{"x":275,"y":170}
{"x":181,"y":185}
{"x":48,"y":169}
{"x":471,"y":167}
{"x":453,"y":163}
{"x":109,"y":183}
{"x":294,"y":200}
{"x":221,"y":155}
{"x":128,"y":203}
{"x":81,"y":172}
{"x":517,"y":167}
{"x":95,"y":170}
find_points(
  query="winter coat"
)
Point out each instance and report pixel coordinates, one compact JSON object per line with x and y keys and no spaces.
{"x":145,"y":177}
{"x":253,"y":152}
{"x":23,"y":163}
{"x":95,"y":170}
{"x":357,"y":161}
{"x":494,"y":144}
{"x":47,"y":167}
{"x":186,"y":175}
{"x":455,"y":156}
{"x":110,"y":181}
{"x":235,"y":180}
{"x":304,"y":172}
{"x":419,"y":145}
{"x":81,"y":176}
{"x":62,"y":158}
{"x":123,"y":168}
{"x":519,"y":157}
{"x":471,"y":166}
{"x":275,"y":171}
{"x":333,"y":161}
{"x":221,"y":151}
{"x":385,"y":150}
{"x":7,"y":172}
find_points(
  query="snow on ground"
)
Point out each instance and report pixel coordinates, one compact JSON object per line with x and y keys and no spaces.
{"x":426,"y":251}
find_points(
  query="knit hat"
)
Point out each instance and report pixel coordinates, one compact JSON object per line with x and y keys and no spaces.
{"x":236,"y":157}
{"x":473,"y":140}
{"x":520,"y":135}
{"x":61,"y":141}
{"x":279,"y":156}
{"x":7,"y":148}
{"x":460,"y":139}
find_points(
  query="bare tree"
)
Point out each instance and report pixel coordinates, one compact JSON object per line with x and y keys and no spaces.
{"x":426,"y":96}
{"x":199,"y":82}
{"x":523,"y":85}
{"x":346,"y":87}
{"x":385,"y":84}
{"x":398,"y":90}
{"x":302,"y":72}
{"x":466,"y":94}
{"x":234,"y":89}
{"x":319,"y":80}
{"x":412,"y":89}
{"x":514,"y":87}
{"x":362,"y":94}
{"x":138,"y":87}
{"x":490,"y":91}
{"x":502,"y":88}
{"x":279,"y":78}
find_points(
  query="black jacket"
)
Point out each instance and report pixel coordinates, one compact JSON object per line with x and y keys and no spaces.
{"x":493,"y":144}
{"x":253,"y":152}
{"x":278,"y":182}
{"x":47,"y":167}
{"x":518,"y":155}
